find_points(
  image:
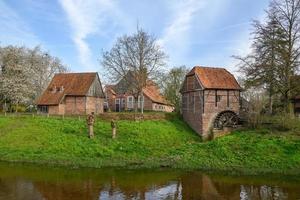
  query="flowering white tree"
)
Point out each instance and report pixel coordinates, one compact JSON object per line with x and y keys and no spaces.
{"x":25,"y":73}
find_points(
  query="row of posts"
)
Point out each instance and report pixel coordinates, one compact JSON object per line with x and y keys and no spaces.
{"x":90,"y":120}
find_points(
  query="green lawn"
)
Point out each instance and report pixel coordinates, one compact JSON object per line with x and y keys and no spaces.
{"x":147,"y":144}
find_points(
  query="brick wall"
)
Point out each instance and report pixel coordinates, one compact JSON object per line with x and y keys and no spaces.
{"x":53,"y":110}
{"x":201,"y":115}
{"x":212,"y":109}
{"x":61,"y":109}
{"x":94,"y":104}
{"x":192,"y":110}
{"x":75,"y":105}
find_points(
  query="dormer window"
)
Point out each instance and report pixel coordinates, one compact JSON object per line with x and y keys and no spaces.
{"x":60,"y":89}
{"x":53,"y":89}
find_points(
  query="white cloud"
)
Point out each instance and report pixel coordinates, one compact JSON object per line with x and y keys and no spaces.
{"x":190,"y":21}
{"x":87,"y":18}
{"x":176,"y":33}
{"x":13,"y":29}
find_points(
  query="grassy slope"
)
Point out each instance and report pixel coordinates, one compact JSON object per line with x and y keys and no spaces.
{"x":168,"y":143}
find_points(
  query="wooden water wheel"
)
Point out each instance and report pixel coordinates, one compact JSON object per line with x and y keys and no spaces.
{"x":226,"y":119}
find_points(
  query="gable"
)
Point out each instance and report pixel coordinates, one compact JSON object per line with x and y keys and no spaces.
{"x":191,"y":82}
{"x":96,"y":89}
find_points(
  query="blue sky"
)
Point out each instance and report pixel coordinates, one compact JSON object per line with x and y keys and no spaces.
{"x":192,"y":32}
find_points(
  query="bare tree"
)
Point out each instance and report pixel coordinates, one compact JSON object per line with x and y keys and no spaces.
{"x":134,"y":59}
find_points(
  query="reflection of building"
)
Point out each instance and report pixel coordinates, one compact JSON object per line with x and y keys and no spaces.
{"x":89,"y":184}
{"x":11,"y":189}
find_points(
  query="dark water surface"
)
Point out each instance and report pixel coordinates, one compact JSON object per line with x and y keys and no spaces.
{"x":19,"y":181}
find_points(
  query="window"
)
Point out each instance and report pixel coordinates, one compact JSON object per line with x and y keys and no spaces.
{"x":219,"y":97}
{"x":43,"y":109}
{"x":130,"y":102}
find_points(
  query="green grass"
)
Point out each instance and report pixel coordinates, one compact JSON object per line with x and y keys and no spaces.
{"x":147,"y":144}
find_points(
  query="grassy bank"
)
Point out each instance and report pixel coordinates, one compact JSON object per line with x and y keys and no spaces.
{"x":164,"y":143}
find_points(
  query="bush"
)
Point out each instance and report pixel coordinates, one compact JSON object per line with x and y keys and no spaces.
{"x":283,"y":123}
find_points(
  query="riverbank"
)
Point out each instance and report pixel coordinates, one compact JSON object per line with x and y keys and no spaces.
{"x":146,"y":144}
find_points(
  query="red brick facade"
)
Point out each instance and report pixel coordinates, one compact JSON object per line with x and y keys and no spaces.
{"x":124,"y":101}
{"x":202,"y":104}
{"x":73,"y":94}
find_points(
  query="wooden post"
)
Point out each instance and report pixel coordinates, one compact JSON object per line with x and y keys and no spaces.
{"x":90,"y":120}
{"x":114,"y":128}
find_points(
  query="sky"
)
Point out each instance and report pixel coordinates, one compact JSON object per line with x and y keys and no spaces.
{"x":191,"y":32}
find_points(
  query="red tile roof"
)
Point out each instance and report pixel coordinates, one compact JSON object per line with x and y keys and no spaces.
{"x":153,"y":93}
{"x":62,"y":84}
{"x":215,"y":78}
{"x":110,"y":88}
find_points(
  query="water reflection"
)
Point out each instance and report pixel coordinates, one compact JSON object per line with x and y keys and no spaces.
{"x":32,"y":182}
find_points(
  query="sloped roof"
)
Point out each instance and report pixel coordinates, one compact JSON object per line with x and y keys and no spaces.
{"x":110,"y":88}
{"x":152,"y":91}
{"x":62,"y":84}
{"x":215,"y":78}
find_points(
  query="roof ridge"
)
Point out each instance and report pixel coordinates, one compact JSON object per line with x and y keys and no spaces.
{"x":77,"y":73}
{"x":197,"y":66}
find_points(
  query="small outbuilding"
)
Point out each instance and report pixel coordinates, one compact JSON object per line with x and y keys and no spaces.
{"x":210,"y":100}
{"x":72,"y":94}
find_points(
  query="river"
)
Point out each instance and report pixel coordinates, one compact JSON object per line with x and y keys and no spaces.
{"x":18,"y":182}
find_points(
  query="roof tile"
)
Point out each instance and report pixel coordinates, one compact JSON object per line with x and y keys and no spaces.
{"x":63,"y":84}
{"x":215,"y":78}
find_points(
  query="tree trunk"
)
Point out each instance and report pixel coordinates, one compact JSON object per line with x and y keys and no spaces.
{"x":135,"y":103}
{"x":270,"y":105}
{"x":142,"y":103}
{"x":91,"y":131}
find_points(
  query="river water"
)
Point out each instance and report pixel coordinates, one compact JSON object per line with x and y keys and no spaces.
{"x":18,"y":182}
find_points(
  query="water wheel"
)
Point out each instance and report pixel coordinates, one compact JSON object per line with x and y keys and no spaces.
{"x":226,"y":119}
